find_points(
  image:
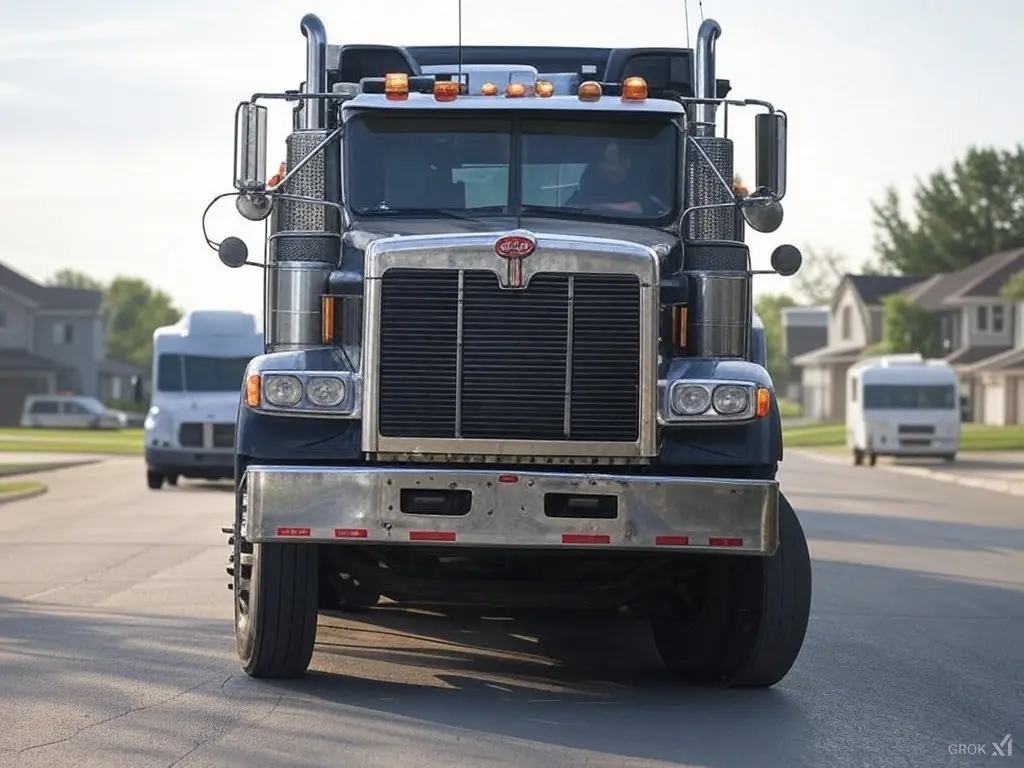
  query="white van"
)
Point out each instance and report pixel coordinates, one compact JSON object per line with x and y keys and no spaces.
{"x":902,"y":405}
{"x":198,"y":367}
{"x":70,"y":412}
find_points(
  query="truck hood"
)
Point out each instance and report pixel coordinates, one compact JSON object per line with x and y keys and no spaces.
{"x":201,"y":406}
{"x":365,"y":231}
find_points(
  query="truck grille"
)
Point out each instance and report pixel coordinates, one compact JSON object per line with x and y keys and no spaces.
{"x":519,"y":351}
{"x":224,"y":435}
{"x":190,"y":435}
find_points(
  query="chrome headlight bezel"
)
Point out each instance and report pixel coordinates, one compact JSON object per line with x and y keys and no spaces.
{"x":347,"y":404}
{"x":669,"y":413}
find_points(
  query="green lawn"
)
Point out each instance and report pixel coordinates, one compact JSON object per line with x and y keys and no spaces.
{"x":10,"y":487}
{"x":121,"y":442}
{"x":974,"y":437}
{"x":788,"y":409}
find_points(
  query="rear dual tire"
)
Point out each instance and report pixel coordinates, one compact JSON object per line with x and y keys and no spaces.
{"x":748,"y":623}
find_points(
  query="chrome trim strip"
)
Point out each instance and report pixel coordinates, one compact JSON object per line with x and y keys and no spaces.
{"x":554,"y":253}
{"x":362,"y":505}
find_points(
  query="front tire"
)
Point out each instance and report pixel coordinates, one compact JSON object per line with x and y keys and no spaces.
{"x":275,"y":589}
{"x":742,"y":623}
{"x":154,"y":480}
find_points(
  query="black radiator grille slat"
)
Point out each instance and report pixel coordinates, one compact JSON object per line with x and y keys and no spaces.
{"x":605,"y":359}
{"x":514,"y":357}
{"x":418,"y":352}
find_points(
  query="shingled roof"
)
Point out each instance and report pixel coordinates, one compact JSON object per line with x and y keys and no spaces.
{"x":982,"y":280}
{"x":50,"y":296}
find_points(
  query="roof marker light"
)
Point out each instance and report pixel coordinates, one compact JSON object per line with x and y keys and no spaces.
{"x":634,"y":89}
{"x":544,"y":88}
{"x":489,"y":89}
{"x":396,"y":86}
{"x":515,"y":91}
{"x":446,"y":91}
{"x":590,"y":91}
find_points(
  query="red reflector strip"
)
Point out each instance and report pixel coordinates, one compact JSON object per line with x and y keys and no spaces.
{"x":431,"y":535}
{"x":508,"y":478}
{"x":293,"y":532}
{"x":672,"y":541}
{"x":586,"y":538}
{"x":351,"y":533}
{"x":716,"y":541}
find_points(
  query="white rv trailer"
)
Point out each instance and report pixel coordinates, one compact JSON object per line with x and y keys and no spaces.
{"x":198,"y":366}
{"x":902,"y":405}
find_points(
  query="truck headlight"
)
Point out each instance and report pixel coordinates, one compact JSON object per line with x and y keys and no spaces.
{"x":690,"y":399}
{"x":729,"y":399}
{"x":282,"y":391}
{"x":332,"y":394}
{"x":325,"y":391}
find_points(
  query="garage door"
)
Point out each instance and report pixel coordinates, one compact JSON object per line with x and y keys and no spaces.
{"x":995,"y":404}
{"x":13,"y":391}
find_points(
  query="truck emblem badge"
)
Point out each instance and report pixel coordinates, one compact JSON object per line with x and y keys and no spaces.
{"x":514,"y":248}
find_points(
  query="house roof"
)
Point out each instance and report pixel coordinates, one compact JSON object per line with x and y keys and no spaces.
{"x":1008,"y":361}
{"x":117,"y":368}
{"x":50,"y":296}
{"x":23,"y":360}
{"x":975,"y":356}
{"x":827,"y":355}
{"x":873,"y":288}
{"x":981,"y":280}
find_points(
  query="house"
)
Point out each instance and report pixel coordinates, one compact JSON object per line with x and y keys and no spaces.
{"x":854,"y":324}
{"x":982,"y":334}
{"x":804,"y":329}
{"x":52,"y":340}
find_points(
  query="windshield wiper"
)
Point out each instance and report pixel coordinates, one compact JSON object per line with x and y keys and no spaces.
{"x":467,"y":214}
{"x":578,"y":214}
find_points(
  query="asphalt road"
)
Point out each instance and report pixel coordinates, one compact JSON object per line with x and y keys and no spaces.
{"x":116,"y":649}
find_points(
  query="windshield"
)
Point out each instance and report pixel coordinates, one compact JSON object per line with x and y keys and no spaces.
{"x":580,"y":168}
{"x":909,"y":397}
{"x":195,"y":373}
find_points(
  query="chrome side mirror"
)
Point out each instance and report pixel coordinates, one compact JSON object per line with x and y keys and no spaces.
{"x":770,"y":142}
{"x":250,"y":147}
{"x":762,"y":215}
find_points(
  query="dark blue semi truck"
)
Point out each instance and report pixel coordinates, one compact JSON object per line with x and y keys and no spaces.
{"x":511,"y":358}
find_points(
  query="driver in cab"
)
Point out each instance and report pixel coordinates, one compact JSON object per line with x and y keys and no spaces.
{"x":613,"y":184}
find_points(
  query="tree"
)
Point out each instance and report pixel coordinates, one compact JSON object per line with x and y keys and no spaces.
{"x":769,"y":306}
{"x":908,"y":328}
{"x":820,"y":275}
{"x":70,"y":278}
{"x":132,"y":310}
{"x":960,"y":216}
{"x":1014,"y":288}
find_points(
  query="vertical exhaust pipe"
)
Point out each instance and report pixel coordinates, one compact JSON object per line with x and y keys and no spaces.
{"x":704,"y":83}
{"x":313,"y":112}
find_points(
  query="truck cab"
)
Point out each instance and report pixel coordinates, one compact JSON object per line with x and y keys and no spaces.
{"x":510,"y":352}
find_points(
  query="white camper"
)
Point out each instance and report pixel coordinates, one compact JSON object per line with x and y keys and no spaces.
{"x":902,"y":405}
{"x":198,"y":366}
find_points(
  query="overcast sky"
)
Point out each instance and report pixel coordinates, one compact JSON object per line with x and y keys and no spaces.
{"x":116,"y":116}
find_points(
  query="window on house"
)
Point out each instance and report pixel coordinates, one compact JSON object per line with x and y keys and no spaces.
{"x":982,"y":318}
{"x":63,"y":334}
{"x":998,"y":319}
{"x":846,"y":321}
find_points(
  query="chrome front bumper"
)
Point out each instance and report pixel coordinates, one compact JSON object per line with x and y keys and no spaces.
{"x":507,"y":509}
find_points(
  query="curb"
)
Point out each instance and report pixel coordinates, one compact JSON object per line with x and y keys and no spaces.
{"x":8,"y":498}
{"x":987,"y":484}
